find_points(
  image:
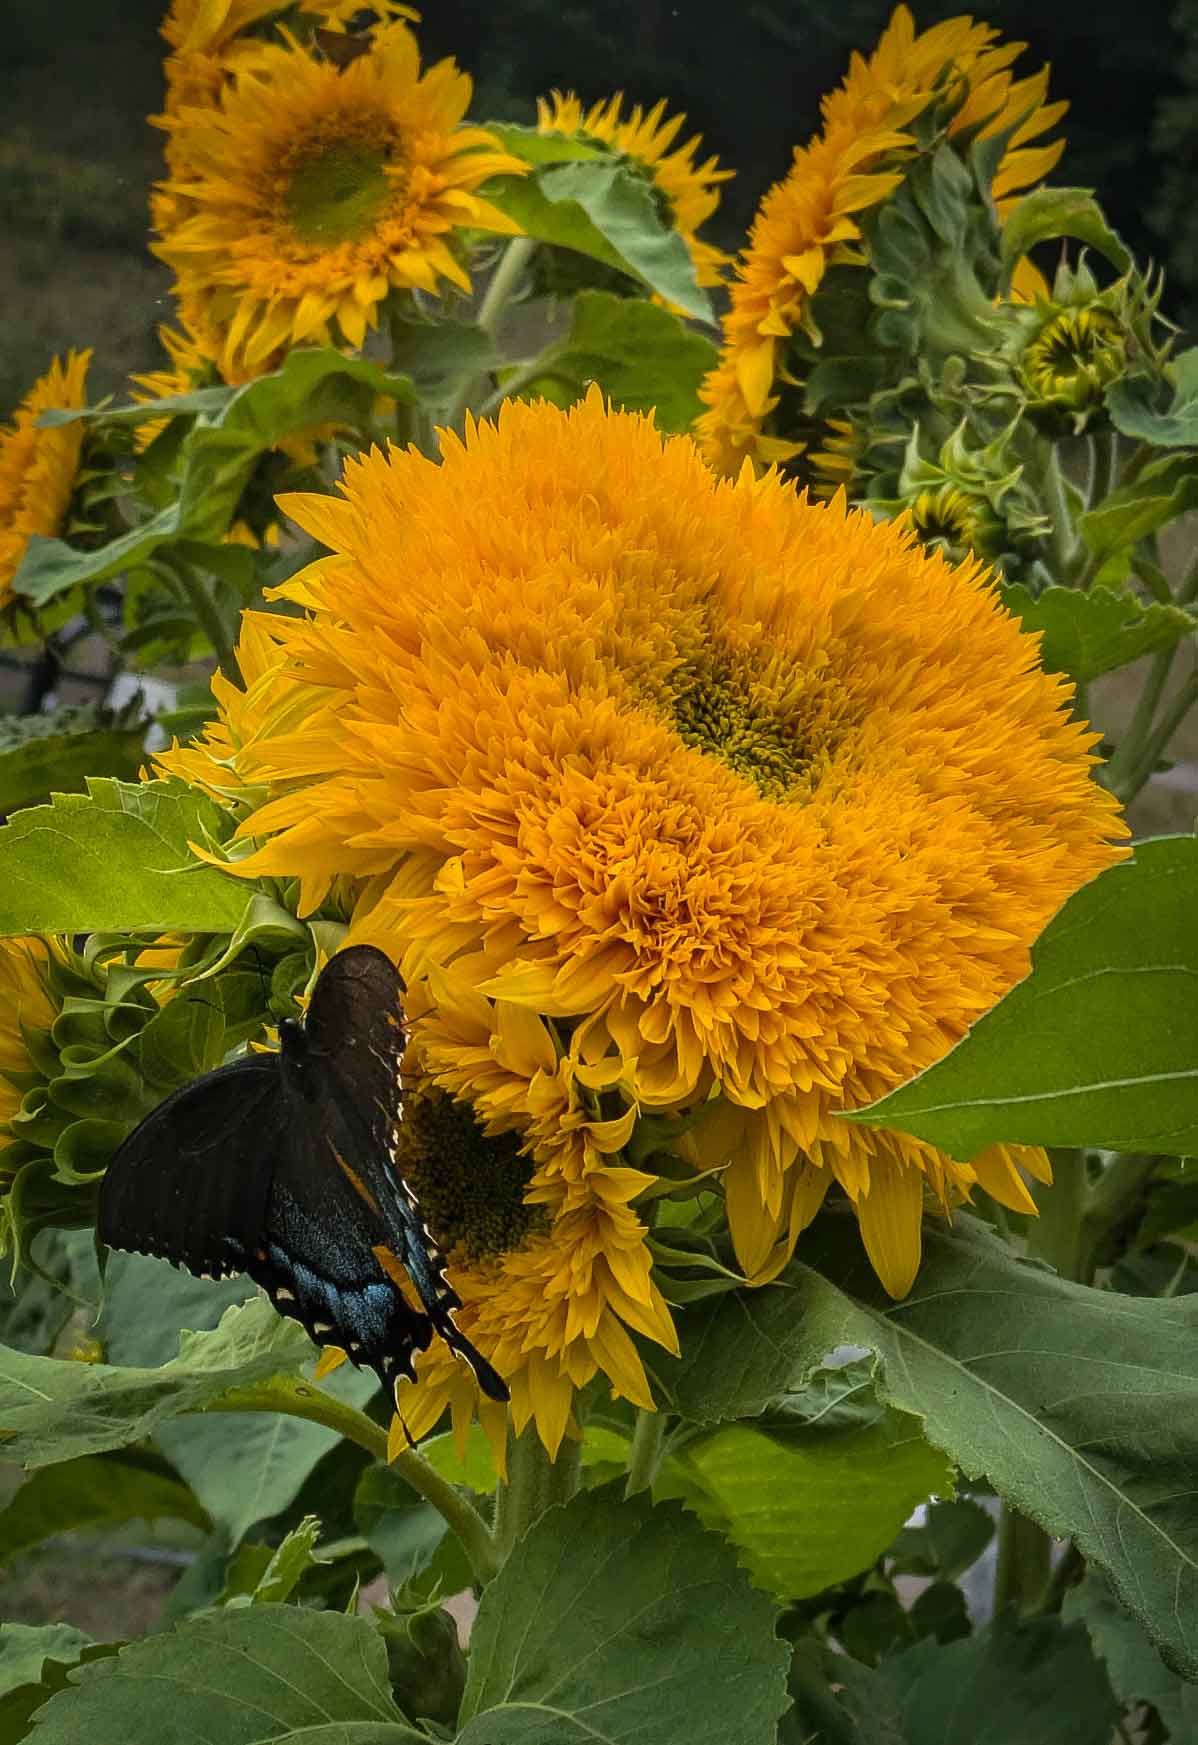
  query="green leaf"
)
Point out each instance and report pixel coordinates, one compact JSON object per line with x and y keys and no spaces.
{"x":953,"y":1536}
{"x":44,"y":754}
{"x":51,"y":566}
{"x":1132,"y":405}
{"x":436,"y":355}
{"x":289,"y":1564}
{"x":52,"y":1409}
{"x":116,"y":859}
{"x":644,"y":358}
{"x":617,"y":1621}
{"x":1086,"y":635}
{"x":244,"y":1467}
{"x":34,"y":1663}
{"x":240,"y":1676}
{"x":316,"y":385}
{"x":545,"y":148}
{"x":1099,"y":1045}
{"x":1048,"y":213}
{"x":399,"y":1526}
{"x":1136,"y":1671}
{"x":1051,"y":1390}
{"x":807,"y":1509}
{"x":1159,"y":493}
{"x":607,"y":211}
{"x":1037,"y":1683}
{"x":98,"y":1489}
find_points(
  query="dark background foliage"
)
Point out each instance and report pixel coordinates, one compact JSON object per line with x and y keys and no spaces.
{"x":76,"y":154}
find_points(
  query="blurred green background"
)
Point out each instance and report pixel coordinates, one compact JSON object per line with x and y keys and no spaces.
{"x":79,"y":78}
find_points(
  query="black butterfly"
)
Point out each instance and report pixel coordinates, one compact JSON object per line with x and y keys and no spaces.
{"x":282,"y":1166}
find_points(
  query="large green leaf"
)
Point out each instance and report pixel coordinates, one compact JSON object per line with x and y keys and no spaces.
{"x":402,"y":1529}
{"x":1132,"y":403}
{"x":604,"y":209}
{"x":1099,"y":1045}
{"x":1088,"y":634}
{"x":316,"y":385}
{"x":1079,"y":1405}
{"x":241,"y":1676}
{"x":51,"y":566}
{"x":1136,"y":1671}
{"x":1048,"y":213}
{"x":1160,"y":491}
{"x":807,"y":1508}
{"x":644,"y":358}
{"x":96,"y":1490}
{"x":1037,"y":1683}
{"x":34,"y":1663}
{"x":116,"y":859}
{"x":616,"y":1621}
{"x":55,"y":753}
{"x":52,"y":1409}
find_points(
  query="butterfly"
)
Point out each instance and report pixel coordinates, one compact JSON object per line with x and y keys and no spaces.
{"x":282,"y":1165}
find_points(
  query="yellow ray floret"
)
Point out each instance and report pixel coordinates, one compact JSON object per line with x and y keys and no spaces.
{"x":756,"y":802}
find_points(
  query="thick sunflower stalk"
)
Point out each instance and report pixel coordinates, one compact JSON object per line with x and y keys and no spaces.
{"x":706,"y":735}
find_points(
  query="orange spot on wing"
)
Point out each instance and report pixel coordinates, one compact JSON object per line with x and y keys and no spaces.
{"x":358,"y":1185}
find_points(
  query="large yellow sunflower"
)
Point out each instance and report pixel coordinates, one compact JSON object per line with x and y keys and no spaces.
{"x":38,"y":467}
{"x":811,"y":220}
{"x":311,"y":191}
{"x":690,"y":189}
{"x":756,"y":801}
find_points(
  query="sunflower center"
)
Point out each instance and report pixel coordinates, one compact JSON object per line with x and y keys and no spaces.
{"x":336,"y":192}
{"x":1075,"y":356}
{"x":470,"y":1187}
{"x":770,"y":728}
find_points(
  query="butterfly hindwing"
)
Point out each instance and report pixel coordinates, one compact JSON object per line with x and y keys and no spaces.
{"x":191,"y":1182}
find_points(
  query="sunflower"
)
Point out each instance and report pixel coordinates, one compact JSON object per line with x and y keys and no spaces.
{"x":38,"y":468}
{"x":312,"y":191}
{"x":688,"y":188}
{"x":812,"y":219}
{"x":756,"y":802}
{"x":25,"y":1006}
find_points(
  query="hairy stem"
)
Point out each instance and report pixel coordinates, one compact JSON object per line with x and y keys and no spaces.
{"x":208,"y":618}
{"x":644,"y":1456}
{"x":534,"y":1483}
{"x":1024,"y":1563}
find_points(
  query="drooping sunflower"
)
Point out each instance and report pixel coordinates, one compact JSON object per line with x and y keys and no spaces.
{"x":758,"y":804}
{"x":690,"y":189}
{"x":25,"y":1006}
{"x":812,"y":219}
{"x":38,"y":468}
{"x":311,"y":191}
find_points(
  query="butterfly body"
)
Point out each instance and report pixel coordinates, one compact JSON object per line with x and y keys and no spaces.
{"x":282,"y":1166}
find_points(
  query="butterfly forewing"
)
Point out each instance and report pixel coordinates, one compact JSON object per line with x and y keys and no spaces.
{"x":191,"y":1183}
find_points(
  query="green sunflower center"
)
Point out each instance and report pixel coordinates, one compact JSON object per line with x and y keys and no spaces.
{"x":770,"y":727}
{"x":956,"y":520}
{"x":337,"y":193}
{"x":470,"y":1187}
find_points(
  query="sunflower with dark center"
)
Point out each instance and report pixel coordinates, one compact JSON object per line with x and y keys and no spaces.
{"x":307,"y":192}
{"x":668,"y":795}
{"x":471,"y":1188}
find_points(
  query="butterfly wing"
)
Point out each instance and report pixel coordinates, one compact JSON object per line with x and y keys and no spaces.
{"x":353,"y":1045}
{"x":191,"y":1183}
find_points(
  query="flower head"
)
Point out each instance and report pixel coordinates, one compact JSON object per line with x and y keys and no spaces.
{"x":38,"y":468}
{"x":751,"y":803}
{"x":813,"y":220}
{"x":311,"y":191}
{"x":689,"y":189}
{"x":25,"y":1006}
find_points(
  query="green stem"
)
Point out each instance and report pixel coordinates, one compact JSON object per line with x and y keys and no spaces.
{"x":1024,"y":1563}
{"x":1058,"y":1234}
{"x":209,"y":620}
{"x":519,"y":378}
{"x":300,"y":1399}
{"x":504,"y":279}
{"x":1056,"y":503}
{"x":534,"y":1483}
{"x":1157,"y":741}
{"x":1118,"y":771}
{"x":644,"y":1457}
